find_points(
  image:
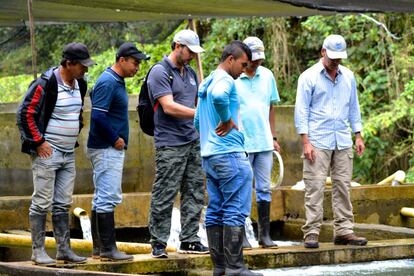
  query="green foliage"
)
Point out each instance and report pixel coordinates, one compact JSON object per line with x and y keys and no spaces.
{"x":15,"y":41}
{"x":13,"y":88}
{"x":383,"y":67}
{"x":133,"y":85}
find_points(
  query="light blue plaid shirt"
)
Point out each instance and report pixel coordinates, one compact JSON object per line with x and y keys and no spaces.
{"x":325,"y":109}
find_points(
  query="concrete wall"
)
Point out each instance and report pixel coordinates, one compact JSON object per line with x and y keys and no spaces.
{"x":15,"y":167}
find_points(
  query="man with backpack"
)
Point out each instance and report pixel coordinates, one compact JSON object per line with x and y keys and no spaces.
{"x":50,"y":119}
{"x":107,"y":142}
{"x":172,"y":87}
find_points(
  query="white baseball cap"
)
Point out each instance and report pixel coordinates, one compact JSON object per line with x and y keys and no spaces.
{"x":335,"y":46}
{"x":256,"y":46}
{"x":189,"y":39}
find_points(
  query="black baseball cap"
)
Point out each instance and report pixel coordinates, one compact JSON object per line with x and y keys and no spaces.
{"x":129,"y":49}
{"x":78,"y":52}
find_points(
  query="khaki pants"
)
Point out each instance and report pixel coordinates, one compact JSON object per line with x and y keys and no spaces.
{"x":339,"y":162}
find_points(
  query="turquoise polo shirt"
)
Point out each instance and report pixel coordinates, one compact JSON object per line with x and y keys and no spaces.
{"x":255,"y":97}
{"x":218,"y":102}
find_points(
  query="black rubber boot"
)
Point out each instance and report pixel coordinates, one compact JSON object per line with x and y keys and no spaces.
{"x":61,"y":231}
{"x":263,"y":210}
{"x":246,"y":243}
{"x":96,"y":244}
{"x":215,"y":245}
{"x":233,"y":242}
{"x":106,"y":230}
{"x":37,"y":228}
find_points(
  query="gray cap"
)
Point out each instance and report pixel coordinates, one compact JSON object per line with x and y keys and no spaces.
{"x":335,"y":46}
{"x":189,"y":39}
{"x":256,"y":46}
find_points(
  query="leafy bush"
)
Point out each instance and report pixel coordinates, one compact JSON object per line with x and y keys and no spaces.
{"x":12,"y":89}
{"x":383,"y":67}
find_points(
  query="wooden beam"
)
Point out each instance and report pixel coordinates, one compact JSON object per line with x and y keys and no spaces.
{"x":191,"y":23}
{"x":32,"y":37}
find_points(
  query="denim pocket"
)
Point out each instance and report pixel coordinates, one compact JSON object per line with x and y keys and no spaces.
{"x":223,"y":165}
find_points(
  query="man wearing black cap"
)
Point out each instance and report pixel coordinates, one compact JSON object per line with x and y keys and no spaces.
{"x":107,"y":142}
{"x":49,"y":120}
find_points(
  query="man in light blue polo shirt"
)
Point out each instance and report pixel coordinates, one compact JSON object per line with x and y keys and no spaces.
{"x":107,"y":142}
{"x":257,"y":92}
{"x":326,"y":107}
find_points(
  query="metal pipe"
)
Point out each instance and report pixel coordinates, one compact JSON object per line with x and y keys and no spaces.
{"x":22,"y":241}
{"x":407,"y":212}
{"x":79,"y":212}
{"x":395,"y":179}
{"x":275,"y":184}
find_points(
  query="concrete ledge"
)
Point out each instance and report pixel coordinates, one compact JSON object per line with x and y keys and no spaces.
{"x":256,"y":259}
{"x":132,"y":212}
{"x":292,"y":231}
{"x":371,"y":204}
{"x":27,"y":269}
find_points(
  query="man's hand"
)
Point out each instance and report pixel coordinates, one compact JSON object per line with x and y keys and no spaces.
{"x":224,"y":128}
{"x":309,"y":152}
{"x":44,"y":150}
{"x":119,"y":144}
{"x":359,"y":145}
{"x":276,"y":146}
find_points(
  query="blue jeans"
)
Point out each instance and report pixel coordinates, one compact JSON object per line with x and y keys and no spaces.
{"x":53,"y":181}
{"x":107,"y":167}
{"x":262,"y":167}
{"x":229,"y":177}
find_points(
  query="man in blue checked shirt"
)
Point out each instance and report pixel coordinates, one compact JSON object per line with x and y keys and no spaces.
{"x":326,"y":107}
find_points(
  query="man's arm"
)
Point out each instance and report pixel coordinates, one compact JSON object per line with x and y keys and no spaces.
{"x":220,"y":97}
{"x":276,"y":145}
{"x":175,"y":109}
{"x":303,"y":99}
{"x":29,"y":113}
{"x":308,"y":150}
{"x":355,"y":119}
{"x":359,"y":144}
{"x":105,"y":129}
{"x":354,"y":110}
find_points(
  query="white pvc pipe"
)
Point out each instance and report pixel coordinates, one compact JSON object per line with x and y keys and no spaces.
{"x":275,"y":185}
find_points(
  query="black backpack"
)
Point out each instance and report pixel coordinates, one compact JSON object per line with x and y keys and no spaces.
{"x":145,"y":108}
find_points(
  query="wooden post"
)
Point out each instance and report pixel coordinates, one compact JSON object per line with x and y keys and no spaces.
{"x":191,"y":22}
{"x":32,"y":37}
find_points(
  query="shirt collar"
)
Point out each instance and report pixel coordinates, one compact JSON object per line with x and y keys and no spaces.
{"x":322,"y":68}
{"x":117,"y":77}
{"x":170,"y":62}
{"x":61,"y":82}
{"x":258,"y":70}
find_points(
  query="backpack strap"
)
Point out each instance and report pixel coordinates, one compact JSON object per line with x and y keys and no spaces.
{"x":167,"y":67}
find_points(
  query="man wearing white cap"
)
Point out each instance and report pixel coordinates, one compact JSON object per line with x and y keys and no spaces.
{"x":172,"y":86}
{"x":326,"y":107}
{"x":258,"y":93}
